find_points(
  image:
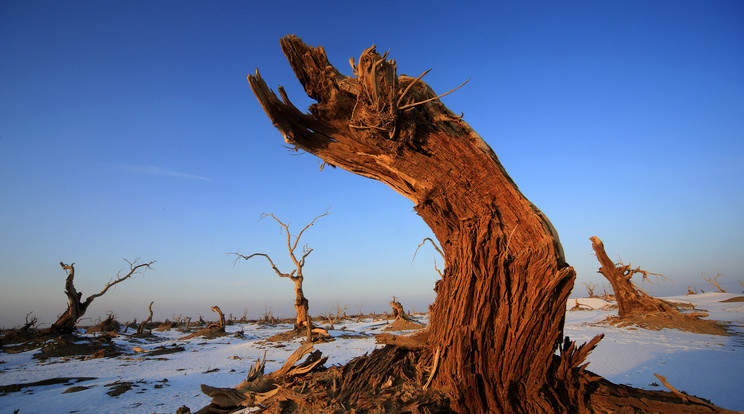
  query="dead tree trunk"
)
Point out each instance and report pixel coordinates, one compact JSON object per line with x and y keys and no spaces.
{"x":76,"y":307}
{"x":630,"y":300}
{"x":398,"y":312}
{"x":220,"y":326}
{"x":500,"y":307}
{"x":144,"y":323}
{"x":302,"y":305}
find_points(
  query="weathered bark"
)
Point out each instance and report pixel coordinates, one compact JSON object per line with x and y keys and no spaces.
{"x":302,"y":305}
{"x":499,"y":312}
{"x":76,"y":307}
{"x":630,"y":300}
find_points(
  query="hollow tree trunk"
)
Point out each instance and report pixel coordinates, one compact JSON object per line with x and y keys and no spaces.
{"x":499,"y":312}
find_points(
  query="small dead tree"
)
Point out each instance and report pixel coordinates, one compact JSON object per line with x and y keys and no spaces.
{"x":713,"y":280}
{"x":144,"y":323}
{"x":220,"y":326}
{"x":30,"y":323}
{"x":302,"y":305}
{"x":590,"y":289}
{"x":76,"y":307}
{"x":630,"y":299}
{"x":398,"y":312}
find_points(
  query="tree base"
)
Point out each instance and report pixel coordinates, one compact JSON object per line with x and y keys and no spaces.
{"x":394,"y":379}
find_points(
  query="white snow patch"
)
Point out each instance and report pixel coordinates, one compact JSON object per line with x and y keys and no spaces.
{"x":704,"y":365}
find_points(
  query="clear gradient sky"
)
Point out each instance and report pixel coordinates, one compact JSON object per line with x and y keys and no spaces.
{"x":128,"y":130}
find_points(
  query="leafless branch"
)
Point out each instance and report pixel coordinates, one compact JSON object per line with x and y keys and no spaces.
{"x":409,"y":106}
{"x":273,"y":266}
{"x":590,"y":289}
{"x":424,"y":242}
{"x":402,"y":95}
{"x":437,"y":268}
{"x":134,"y":268}
{"x":629,"y":272}
{"x":713,"y":280}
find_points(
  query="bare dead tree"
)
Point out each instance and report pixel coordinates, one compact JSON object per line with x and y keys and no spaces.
{"x":144,"y":323}
{"x":713,"y":280}
{"x":76,"y":307}
{"x":30,"y":323}
{"x":631,"y":300}
{"x":398,"y":312}
{"x":505,"y":282}
{"x":302,"y":305}
{"x":590,"y":289}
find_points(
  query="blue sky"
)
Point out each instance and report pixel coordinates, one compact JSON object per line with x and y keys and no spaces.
{"x":128,"y":130}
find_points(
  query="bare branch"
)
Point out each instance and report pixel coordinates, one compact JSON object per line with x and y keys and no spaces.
{"x":402,"y":95}
{"x":713,"y":280}
{"x":424,"y":242}
{"x":299,"y":235}
{"x":409,"y":106}
{"x":306,"y":252}
{"x":629,"y":272}
{"x":590,"y":289}
{"x":134,"y":268}
{"x":273,"y":266}
{"x":675,"y":391}
{"x":437,"y":268}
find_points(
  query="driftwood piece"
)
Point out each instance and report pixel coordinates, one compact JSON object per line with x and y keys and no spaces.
{"x":258,"y":387}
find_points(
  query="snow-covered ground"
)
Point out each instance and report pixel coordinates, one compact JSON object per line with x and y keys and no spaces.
{"x":708,"y":366}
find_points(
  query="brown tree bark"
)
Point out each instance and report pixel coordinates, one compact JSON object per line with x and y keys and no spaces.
{"x":76,"y":307}
{"x":499,"y":312}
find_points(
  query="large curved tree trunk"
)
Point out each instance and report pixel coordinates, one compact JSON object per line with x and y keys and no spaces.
{"x":500,"y":307}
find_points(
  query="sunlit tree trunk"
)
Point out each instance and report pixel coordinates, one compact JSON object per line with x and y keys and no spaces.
{"x":499,"y":312}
